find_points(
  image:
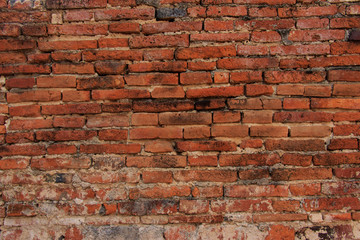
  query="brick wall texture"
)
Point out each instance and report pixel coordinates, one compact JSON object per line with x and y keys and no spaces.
{"x":179,"y":119}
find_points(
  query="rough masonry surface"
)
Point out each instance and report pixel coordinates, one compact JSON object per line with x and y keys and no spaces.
{"x":179,"y":119}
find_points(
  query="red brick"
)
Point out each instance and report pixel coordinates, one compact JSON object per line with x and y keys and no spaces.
{"x":161,"y":27}
{"x":332,"y":204}
{"x":28,"y":17}
{"x":122,"y":3}
{"x":7,"y":30}
{"x":80,"y":108}
{"x":205,"y":146}
{"x":244,"y":25}
{"x":303,"y":117}
{"x":301,"y":174}
{"x":312,"y":23}
{"x":270,"y":36}
{"x":294,"y":77}
{"x":184,"y":118}
{"x":214,"y":25}
{"x":178,"y":66}
{"x":24,"y":69}
{"x":78,"y":15}
{"x":160,"y":54}
{"x":105,"y":68}
{"x":226,"y":117}
{"x":336,"y":159}
{"x":201,"y":66}
{"x":240,"y":205}
{"x":155,"y":133}
{"x":246,"y":50}
{"x":25,"y":111}
{"x":26,"y":150}
{"x":246,"y":77}
{"x":344,"y":48}
{"x":194,"y":206}
{"x":305,"y":189}
{"x":296,"y":103}
{"x":339,"y":103}
{"x":205,"y":176}
{"x":113,"y":134}
{"x":316,"y":35}
{"x":112,"y":55}
{"x":34,"y":30}
{"x":158,"y":147}
{"x":58,"y":4}
{"x":151,"y":79}
{"x":344,"y":75}
{"x":111,"y":148}
{"x":347,"y":172}
{"x":269,"y":2}
{"x":160,"y":192}
{"x":246,"y":191}
{"x":10,"y":44}
{"x":295,"y":145}
{"x":208,"y":191}
{"x":221,"y":77}
{"x":65,"y":56}
{"x":196,"y":132}
{"x":60,"y":163}
{"x":78,"y":29}
{"x":157,"y":177}
{"x":340,"y":144}
{"x":205,"y":52}
{"x":229,"y":131}
{"x":82,"y":68}
{"x":195,"y":78}
{"x":344,"y":23}
{"x":247,"y":63}
{"x":249,"y":159}
{"x":215,"y":11}
{"x":346,"y":90}
{"x":113,"y":42}
{"x":34,"y":96}
{"x":280,"y":231}
{"x":26,"y":124}
{"x":257,"y":117}
{"x":253,"y":174}
{"x":308,"y":11}
{"x":125,"y":13}
{"x":14,"y":163}
{"x":66,"y":45}
{"x":268,"y":131}
{"x":310,"y":131}
{"x":168,"y":92}
{"x":119,"y":94}
{"x":19,"y":83}
{"x":7,"y":58}
{"x":346,"y":116}
{"x":61,"y":149}
{"x":262,"y":12}
{"x":160,"y":41}
{"x":258,"y":90}
{"x":316,"y":49}
{"x":196,"y":11}
{"x":251,"y":143}
{"x":219,"y":37}
{"x":196,"y":219}
{"x":162,"y":161}
{"x":100,"y":82}
{"x":232,"y":91}
{"x":202,"y":160}
{"x":163,"y":106}
{"x":75,"y":96}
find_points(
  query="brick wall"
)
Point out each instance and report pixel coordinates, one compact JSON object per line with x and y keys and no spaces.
{"x":179,"y":119}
